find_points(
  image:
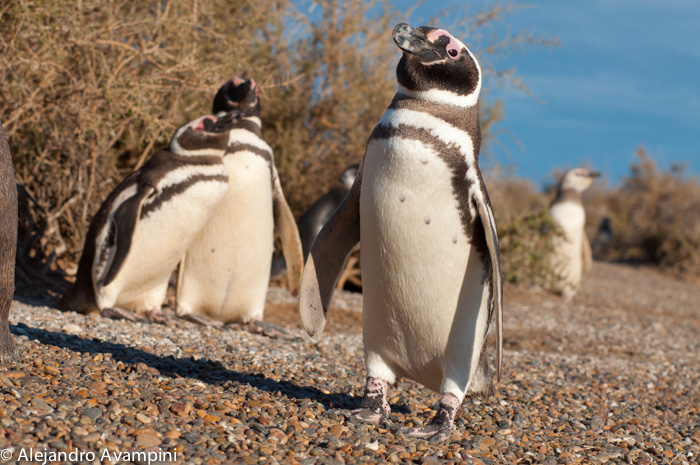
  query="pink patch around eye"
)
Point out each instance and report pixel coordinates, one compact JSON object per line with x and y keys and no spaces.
{"x":200,"y":125}
{"x":452,"y":47}
{"x":237,"y":81}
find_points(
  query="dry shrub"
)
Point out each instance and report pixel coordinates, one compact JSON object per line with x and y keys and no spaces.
{"x":525,"y":231}
{"x":91,"y":88}
{"x":656,"y":217}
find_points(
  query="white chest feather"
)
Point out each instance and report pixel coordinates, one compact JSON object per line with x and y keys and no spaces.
{"x":159,"y":240}
{"x":415,"y":260}
{"x":568,"y":256}
{"x":226,"y":270}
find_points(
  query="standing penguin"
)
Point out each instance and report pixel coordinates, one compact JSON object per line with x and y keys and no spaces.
{"x":145,"y":225}
{"x":313,"y":219}
{"x":430,"y":262}
{"x":572,"y":253}
{"x":8,"y":248}
{"x":604,"y":239}
{"x":226,"y":271}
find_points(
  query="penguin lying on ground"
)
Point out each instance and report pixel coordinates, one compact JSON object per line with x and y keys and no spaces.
{"x":225,"y":273}
{"x":430,"y":261}
{"x":145,"y":225}
{"x":8,"y":248}
{"x":311,"y":222}
{"x":572,"y":253}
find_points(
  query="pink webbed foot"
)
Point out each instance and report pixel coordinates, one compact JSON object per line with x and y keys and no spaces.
{"x":440,"y":427}
{"x":374,"y":408}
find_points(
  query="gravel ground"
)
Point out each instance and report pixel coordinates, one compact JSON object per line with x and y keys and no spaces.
{"x":610,"y":377}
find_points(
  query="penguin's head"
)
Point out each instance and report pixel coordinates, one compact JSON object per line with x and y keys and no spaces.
{"x":238,"y":94}
{"x":206,"y":135}
{"x":577,"y":179}
{"x":349,"y":175}
{"x":436,"y":66}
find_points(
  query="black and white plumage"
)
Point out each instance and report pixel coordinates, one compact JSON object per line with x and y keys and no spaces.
{"x":429,"y":248}
{"x":313,"y":219}
{"x":8,"y":247}
{"x":145,"y":225}
{"x":226,"y":271}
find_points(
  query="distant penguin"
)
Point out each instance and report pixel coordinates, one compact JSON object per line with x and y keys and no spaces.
{"x":603,"y":242}
{"x":145,"y":225}
{"x":572,"y":253}
{"x":311,"y":222}
{"x":8,"y":248}
{"x":431,"y":273}
{"x":225,"y":273}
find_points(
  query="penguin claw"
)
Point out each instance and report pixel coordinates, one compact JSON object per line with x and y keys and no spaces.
{"x":117,"y":313}
{"x":432,"y":433}
{"x":201,"y":320}
{"x":369,"y":415}
{"x":270,"y":330}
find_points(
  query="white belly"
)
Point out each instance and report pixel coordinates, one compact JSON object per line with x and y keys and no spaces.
{"x":160,"y":240}
{"x":568,"y":253}
{"x":419,"y":280}
{"x":227,"y":269}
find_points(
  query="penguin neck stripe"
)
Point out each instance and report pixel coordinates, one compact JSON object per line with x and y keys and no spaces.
{"x":255,"y":120}
{"x":447,"y":133}
{"x":444,"y":97}
{"x":465,"y":180}
{"x":237,"y":147}
{"x":244,"y":136}
{"x":171,"y":190}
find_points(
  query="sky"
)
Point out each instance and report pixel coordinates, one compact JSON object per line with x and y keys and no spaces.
{"x":626,"y":75}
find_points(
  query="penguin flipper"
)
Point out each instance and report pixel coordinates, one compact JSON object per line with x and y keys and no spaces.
{"x":489,"y":223}
{"x":124,"y":222}
{"x":587,"y":253}
{"x":289,"y":235}
{"x":327,"y":258}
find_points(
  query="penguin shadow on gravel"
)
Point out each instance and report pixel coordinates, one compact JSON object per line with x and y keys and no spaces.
{"x":207,"y":371}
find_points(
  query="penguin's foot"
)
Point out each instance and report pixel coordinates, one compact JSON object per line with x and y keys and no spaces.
{"x":201,"y":320}
{"x":269,"y":329}
{"x":157,"y":316}
{"x":440,"y":427}
{"x":374,"y":408}
{"x":117,"y":313}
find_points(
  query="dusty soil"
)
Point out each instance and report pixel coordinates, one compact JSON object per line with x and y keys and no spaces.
{"x":609,"y":377}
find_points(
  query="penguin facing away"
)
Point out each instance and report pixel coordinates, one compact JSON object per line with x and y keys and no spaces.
{"x":313,"y":219}
{"x":145,"y":224}
{"x":429,"y":248}
{"x":572,"y":254}
{"x":225,"y":273}
{"x":8,"y":248}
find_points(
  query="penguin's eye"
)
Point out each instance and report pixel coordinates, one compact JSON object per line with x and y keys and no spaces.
{"x":453,"y":52}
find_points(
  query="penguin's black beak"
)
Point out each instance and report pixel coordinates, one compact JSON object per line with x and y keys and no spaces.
{"x":415,"y":43}
{"x":225,"y":122}
{"x":594,"y":174}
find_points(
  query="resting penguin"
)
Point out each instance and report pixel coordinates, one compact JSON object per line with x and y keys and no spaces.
{"x":145,"y":225}
{"x":571,"y":253}
{"x":8,"y":248}
{"x":316,"y":216}
{"x":430,"y":260}
{"x":225,"y":273}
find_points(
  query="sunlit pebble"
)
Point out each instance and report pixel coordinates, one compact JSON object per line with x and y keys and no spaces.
{"x":247,"y":395}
